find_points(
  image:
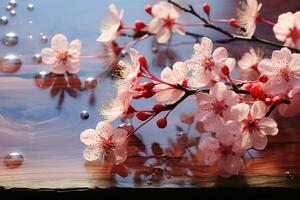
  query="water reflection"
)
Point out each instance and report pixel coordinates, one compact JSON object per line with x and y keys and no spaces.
{"x":60,"y":85}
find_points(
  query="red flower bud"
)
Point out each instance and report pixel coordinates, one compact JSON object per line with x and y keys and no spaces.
{"x":206,"y":8}
{"x":257,"y":93}
{"x":148,"y":93}
{"x":130,"y":109}
{"x":233,"y":23}
{"x":263,"y":78}
{"x":149,"y":86}
{"x":247,"y":86}
{"x":157,"y":108}
{"x":143,"y":115}
{"x":143,"y":61}
{"x":148,"y":9}
{"x":225,"y":70}
{"x":162,"y":123}
{"x":276,"y":100}
{"x":139,"y":25}
{"x":268,"y":101}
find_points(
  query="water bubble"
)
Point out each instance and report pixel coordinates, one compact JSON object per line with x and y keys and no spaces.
{"x":8,"y":7}
{"x":10,"y":63}
{"x":180,"y":133}
{"x":43,"y":79}
{"x":13,"y":3}
{"x":30,"y":37}
{"x":124,"y":53}
{"x":126,"y":126}
{"x":3,"y":20}
{"x":37,"y":58}
{"x":10,"y":39}
{"x":30,"y":7}
{"x":154,"y":50}
{"x":30,"y":22}
{"x":12,"y":13}
{"x":13,"y":160}
{"x":149,"y":182}
{"x":84,"y":115}
{"x":44,"y":39}
{"x":90,"y":83}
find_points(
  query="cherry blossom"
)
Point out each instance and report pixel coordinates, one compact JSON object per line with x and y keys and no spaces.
{"x":177,"y":75}
{"x":250,"y":60}
{"x":224,"y":152}
{"x":111,"y":27}
{"x":248,"y":15}
{"x":205,"y":64}
{"x":164,"y":22}
{"x":292,"y":109}
{"x":287,"y":29}
{"x":105,"y":143}
{"x":251,"y":125}
{"x":63,"y":57}
{"x":215,"y":108}
{"x":282,"y":70}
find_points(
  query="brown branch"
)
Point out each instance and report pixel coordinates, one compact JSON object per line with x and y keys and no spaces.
{"x":232,"y":37}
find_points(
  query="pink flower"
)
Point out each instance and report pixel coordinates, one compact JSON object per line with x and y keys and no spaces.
{"x":105,"y":143}
{"x":205,"y":65}
{"x":164,"y":22}
{"x":287,"y":29}
{"x":248,"y":14}
{"x":224,"y":152}
{"x":214,"y":108}
{"x":282,"y":70}
{"x":251,"y":125}
{"x":292,"y":109}
{"x":62,"y":55}
{"x":111,"y":27}
{"x":250,"y":60}
{"x":174,"y":76}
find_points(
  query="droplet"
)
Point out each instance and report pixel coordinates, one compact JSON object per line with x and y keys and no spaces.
{"x":84,"y":115}
{"x":13,"y":160}
{"x":10,"y":63}
{"x":43,"y":79}
{"x":37,"y":58}
{"x":30,"y":7}
{"x":10,"y":39}
{"x":154,"y":50}
{"x":13,"y":3}
{"x":8,"y":7}
{"x":12,"y":13}
{"x":3,"y":20}
{"x":44,"y":39}
{"x":30,"y":37}
{"x":180,"y":133}
{"x":126,"y":126}
{"x":30,"y":22}
{"x":290,"y":175}
{"x":149,"y":182}
{"x":124,"y":53}
{"x":90,"y":83}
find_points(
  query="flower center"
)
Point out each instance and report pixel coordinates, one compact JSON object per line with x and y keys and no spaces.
{"x":225,"y":151}
{"x":63,"y":57}
{"x":208,"y":63}
{"x":107,"y":146}
{"x":169,"y":22}
{"x":294,"y":34}
{"x":284,"y":72}
{"x":218,"y":107}
{"x":250,"y":125}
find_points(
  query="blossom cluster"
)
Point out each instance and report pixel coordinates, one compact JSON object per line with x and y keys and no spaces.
{"x":235,"y":113}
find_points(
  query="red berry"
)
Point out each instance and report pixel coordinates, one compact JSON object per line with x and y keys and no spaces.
{"x":263,"y":78}
{"x":206,"y":8}
{"x":257,"y":93}
{"x":162,"y":123}
{"x":276,"y":100}
{"x":143,"y":115}
{"x":148,"y":9}
{"x":225,"y":70}
{"x":143,"y":61}
{"x":233,"y":23}
{"x":157,"y":108}
{"x":139,"y":25}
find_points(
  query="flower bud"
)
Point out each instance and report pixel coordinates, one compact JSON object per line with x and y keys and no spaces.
{"x":143,"y":115}
{"x":257,"y":93}
{"x":162,"y":123}
{"x":148,"y":93}
{"x":130,"y":109}
{"x":233,"y":23}
{"x":143,"y":61}
{"x":149,"y":86}
{"x":139,"y":25}
{"x":276,"y":100}
{"x":157,"y":108}
{"x":148,"y":9}
{"x":225,"y":70}
{"x":268,"y":101}
{"x":206,"y":8}
{"x":263,"y":78}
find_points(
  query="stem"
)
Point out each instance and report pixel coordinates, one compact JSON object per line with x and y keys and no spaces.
{"x":88,"y":57}
{"x":140,"y":126}
{"x":267,"y":21}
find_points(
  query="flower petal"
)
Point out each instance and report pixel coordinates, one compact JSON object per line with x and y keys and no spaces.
{"x":48,"y":56}
{"x":89,"y":137}
{"x":92,"y":152}
{"x":60,"y":43}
